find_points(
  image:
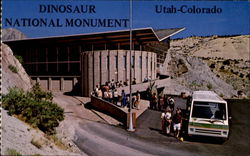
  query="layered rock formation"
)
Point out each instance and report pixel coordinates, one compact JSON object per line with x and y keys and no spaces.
{"x":213,"y":63}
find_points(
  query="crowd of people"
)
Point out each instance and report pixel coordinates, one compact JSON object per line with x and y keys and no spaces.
{"x":162,"y":102}
{"x":170,"y":121}
{"x":109,"y":93}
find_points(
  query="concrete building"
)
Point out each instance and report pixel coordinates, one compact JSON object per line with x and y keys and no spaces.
{"x":80,"y":62}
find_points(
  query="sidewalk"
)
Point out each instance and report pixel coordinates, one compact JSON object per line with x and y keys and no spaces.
{"x":144,"y":104}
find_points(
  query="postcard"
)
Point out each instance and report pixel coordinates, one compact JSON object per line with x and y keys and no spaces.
{"x":125,"y":77}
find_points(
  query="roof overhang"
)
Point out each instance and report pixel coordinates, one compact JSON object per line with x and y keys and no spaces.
{"x":140,"y":35}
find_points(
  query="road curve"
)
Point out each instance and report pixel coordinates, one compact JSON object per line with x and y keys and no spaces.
{"x":102,"y":139}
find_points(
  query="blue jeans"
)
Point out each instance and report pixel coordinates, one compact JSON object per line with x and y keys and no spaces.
{"x":124,"y":102}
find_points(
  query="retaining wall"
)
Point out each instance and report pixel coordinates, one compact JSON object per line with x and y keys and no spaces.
{"x":112,"y":110}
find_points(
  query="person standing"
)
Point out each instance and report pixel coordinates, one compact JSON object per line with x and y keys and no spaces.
{"x":124,"y":99}
{"x":137,"y":100}
{"x":105,"y":95}
{"x":154,"y":101}
{"x":161,"y":103}
{"x":99,"y":93}
{"x":177,"y":120}
{"x":112,"y":84}
{"x":115,"y":96}
{"x":171,"y":103}
{"x":96,"y":90}
{"x":168,"y":120}
{"x":133,"y":101}
{"x":163,"y":122}
{"x":110,"y":94}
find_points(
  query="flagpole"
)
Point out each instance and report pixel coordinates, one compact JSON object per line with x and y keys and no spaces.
{"x":131,"y":129}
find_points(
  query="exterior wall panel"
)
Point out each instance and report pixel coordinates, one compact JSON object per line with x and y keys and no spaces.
{"x":95,"y":72}
{"x":90,"y":72}
{"x":55,"y":84}
{"x":96,"y":69}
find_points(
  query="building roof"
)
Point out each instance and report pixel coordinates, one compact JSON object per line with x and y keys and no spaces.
{"x":140,"y":35}
{"x":207,"y":96}
{"x":163,"y":34}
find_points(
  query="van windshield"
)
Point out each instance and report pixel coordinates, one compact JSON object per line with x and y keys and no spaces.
{"x":209,"y":110}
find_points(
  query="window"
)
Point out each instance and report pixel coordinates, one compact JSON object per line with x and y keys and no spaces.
{"x":125,"y":61}
{"x":100,"y":61}
{"x":209,"y":110}
{"x":108,"y":62}
{"x":116,"y":62}
{"x":147,"y":63}
{"x":133,"y":62}
{"x":140,"y":61}
{"x":151,"y":64}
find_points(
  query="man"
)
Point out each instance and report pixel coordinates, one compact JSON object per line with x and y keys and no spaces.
{"x":99,"y":93}
{"x":110,"y":96}
{"x":154,"y":101}
{"x":112,"y":84}
{"x":161,"y":103}
{"x":115,"y":96}
{"x":124,"y":99}
{"x":177,"y":120}
{"x":137,"y":100}
{"x":106,"y":95}
{"x":171,"y":103}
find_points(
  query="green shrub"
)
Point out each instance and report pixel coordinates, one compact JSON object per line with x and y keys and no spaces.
{"x":39,"y":95}
{"x":12,"y":68}
{"x":19,"y":58}
{"x":209,"y":86}
{"x":221,"y":95}
{"x":58,"y":142}
{"x":12,"y":152}
{"x":34,"y":107}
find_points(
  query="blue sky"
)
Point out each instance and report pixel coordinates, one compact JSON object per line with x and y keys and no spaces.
{"x":234,"y":18}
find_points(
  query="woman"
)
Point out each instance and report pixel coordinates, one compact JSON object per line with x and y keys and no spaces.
{"x":168,"y":119}
{"x":163,"y":122}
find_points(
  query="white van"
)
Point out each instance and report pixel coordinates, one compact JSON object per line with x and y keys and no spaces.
{"x":208,"y":115}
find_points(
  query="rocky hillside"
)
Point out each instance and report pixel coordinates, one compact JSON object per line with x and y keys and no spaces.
{"x":12,"y":34}
{"x":17,"y":136}
{"x":236,"y":47}
{"x":14,"y":74}
{"x":210,"y":63}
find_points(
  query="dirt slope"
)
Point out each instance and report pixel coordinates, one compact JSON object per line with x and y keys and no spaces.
{"x":213,"y":63}
{"x":22,"y":138}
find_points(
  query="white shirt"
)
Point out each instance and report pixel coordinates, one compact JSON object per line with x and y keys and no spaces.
{"x":167,"y":115}
{"x":115,"y":94}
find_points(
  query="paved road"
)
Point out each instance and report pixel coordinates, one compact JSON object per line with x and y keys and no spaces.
{"x":102,"y":139}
